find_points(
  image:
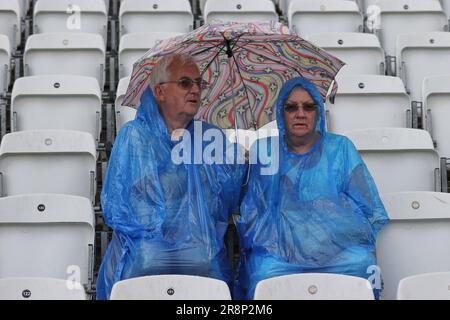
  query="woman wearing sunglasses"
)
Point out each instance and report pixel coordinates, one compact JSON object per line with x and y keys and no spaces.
{"x":320,"y":213}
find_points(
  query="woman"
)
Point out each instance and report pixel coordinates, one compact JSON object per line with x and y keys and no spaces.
{"x":320,"y":212}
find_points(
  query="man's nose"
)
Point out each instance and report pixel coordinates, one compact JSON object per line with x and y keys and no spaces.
{"x":195,"y":88}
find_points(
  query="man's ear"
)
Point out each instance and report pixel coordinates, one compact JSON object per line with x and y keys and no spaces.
{"x":159,"y":93}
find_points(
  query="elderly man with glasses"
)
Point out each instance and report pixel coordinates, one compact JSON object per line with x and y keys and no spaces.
{"x":167,"y":217}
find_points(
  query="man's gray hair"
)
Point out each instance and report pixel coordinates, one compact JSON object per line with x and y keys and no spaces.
{"x":161,"y":70}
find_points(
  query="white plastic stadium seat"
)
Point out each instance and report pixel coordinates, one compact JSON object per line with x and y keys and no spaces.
{"x":314,"y":286}
{"x":80,"y":54}
{"x":309,"y":17}
{"x":10,"y":21}
{"x":57,"y":102}
{"x":155,"y":16}
{"x":40,"y":289}
{"x":134,"y":45}
{"x":71,"y":16}
{"x":240,"y":11}
{"x":5,"y":64}
{"x":361,"y":52}
{"x":446,"y":7}
{"x":399,"y":159}
{"x":416,"y":238}
{"x":47,"y":235}
{"x":123,"y":113}
{"x":48,"y":161}
{"x":422,"y":55}
{"x":436,"y":100}
{"x":171,"y":287}
{"x":426,"y":286}
{"x":400,"y":17}
{"x":368,"y":101}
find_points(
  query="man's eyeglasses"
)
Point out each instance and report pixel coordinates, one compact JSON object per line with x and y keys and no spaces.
{"x":186,"y":83}
{"x":307,"y":107}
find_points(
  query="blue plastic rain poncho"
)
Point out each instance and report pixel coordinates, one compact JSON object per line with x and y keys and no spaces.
{"x":319,"y":213}
{"x":167,"y":218}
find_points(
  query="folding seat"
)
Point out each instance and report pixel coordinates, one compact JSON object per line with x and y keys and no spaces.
{"x":47,"y":235}
{"x":396,"y":17}
{"x":71,"y":16}
{"x":436,"y":106}
{"x":155,"y":16}
{"x":421,"y":55}
{"x":5,"y":63}
{"x":63,"y":102}
{"x":40,"y":289}
{"x":416,"y":239}
{"x":314,"y":286}
{"x":171,"y":287}
{"x":48,"y":161}
{"x":80,"y":54}
{"x":240,"y":11}
{"x":309,"y":17}
{"x":361,"y":52}
{"x":134,"y":45}
{"x":368,"y":101}
{"x":399,"y":159}
{"x":10,"y":21}
{"x":426,"y":286}
{"x":123,"y":113}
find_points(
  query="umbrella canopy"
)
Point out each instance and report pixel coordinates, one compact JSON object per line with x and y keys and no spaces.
{"x":245,"y":65}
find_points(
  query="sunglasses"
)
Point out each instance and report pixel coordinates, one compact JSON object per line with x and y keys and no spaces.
{"x":186,"y":83}
{"x":292,"y":107}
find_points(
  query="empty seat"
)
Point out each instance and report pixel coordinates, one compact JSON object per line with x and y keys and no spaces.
{"x":314,"y":286}
{"x":57,"y":102}
{"x":171,"y":287}
{"x":48,"y":161}
{"x":368,"y":101}
{"x":361,"y":52}
{"x":402,"y":16}
{"x":309,"y":17}
{"x":446,"y":7}
{"x":5,"y":62}
{"x":416,"y":238}
{"x":47,"y":235}
{"x":422,"y":55}
{"x":10,"y":21}
{"x":80,"y":54}
{"x":436,"y":101}
{"x":239,"y":11}
{"x":155,"y":16}
{"x":134,"y":45}
{"x":71,"y":16}
{"x":40,"y":289}
{"x":426,"y":286}
{"x":399,"y":159}
{"x":123,"y":113}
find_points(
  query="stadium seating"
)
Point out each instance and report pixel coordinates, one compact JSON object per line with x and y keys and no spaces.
{"x":392,"y":154}
{"x":368,"y":101}
{"x":10,"y":24}
{"x":416,"y":239}
{"x":65,"y":53}
{"x":426,"y":286}
{"x":48,"y":161}
{"x":239,"y":10}
{"x":57,"y":102}
{"x":155,"y":16}
{"x":47,"y":235}
{"x":71,"y":16}
{"x":5,"y":64}
{"x":40,"y":289}
{"x":171,"y":287}
{"x":361,"y":52}
{"x":436,"y":102}
{"x":123,"y":113}
{"x":314,"y":286}
{"x":309,"y":17}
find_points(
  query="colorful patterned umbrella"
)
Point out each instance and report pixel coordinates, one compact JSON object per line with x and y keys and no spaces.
{"x":245,"y":65}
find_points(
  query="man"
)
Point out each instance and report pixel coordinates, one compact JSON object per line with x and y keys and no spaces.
{"x":167,"y":218}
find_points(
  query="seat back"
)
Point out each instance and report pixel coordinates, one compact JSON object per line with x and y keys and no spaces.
{"x":5,"y":58}
{"x":10,"y":14}
{"x":240,"y":11}
{"x":123,"y":113}
{"x":426,"y":286}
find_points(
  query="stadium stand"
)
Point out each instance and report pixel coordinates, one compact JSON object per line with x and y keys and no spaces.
{"x":63,"y":75}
